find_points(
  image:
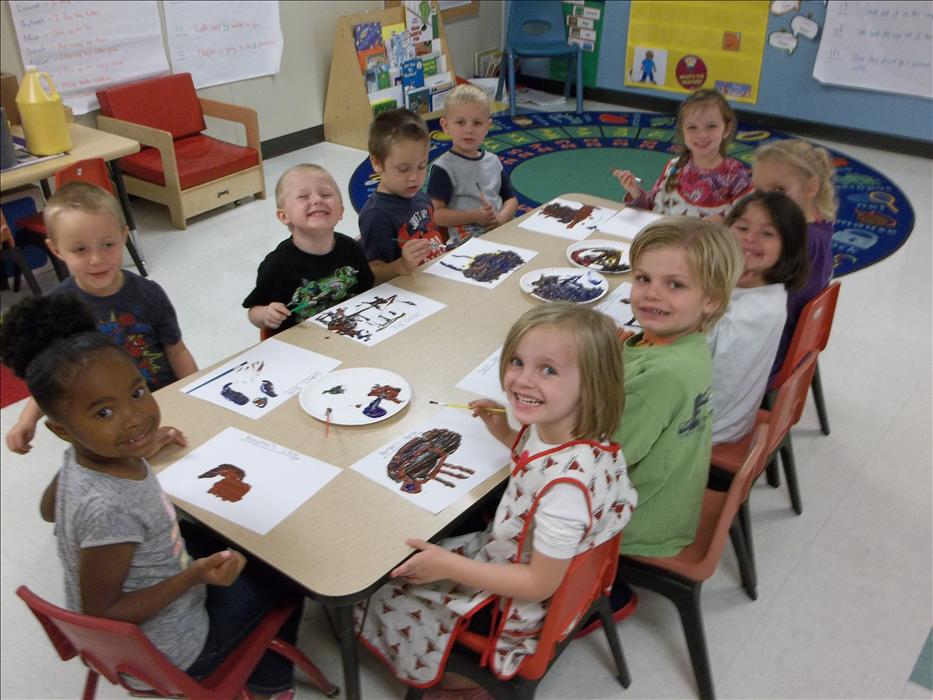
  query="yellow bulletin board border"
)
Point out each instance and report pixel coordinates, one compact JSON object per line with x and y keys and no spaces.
{"x":682,"y":45}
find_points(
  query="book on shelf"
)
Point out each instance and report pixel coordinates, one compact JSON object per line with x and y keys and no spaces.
{"x":380,"y":106}
{"x":398,"y":44}
{"x":412,"y":74}
{"x":366,"y":35}
{"x":421,"y":19}
{"x":418,"y":100}
{"x":439,"y":96}
{"x":369,"y":57}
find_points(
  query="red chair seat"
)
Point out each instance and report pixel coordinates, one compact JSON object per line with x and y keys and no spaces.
{"x":200,"y":159}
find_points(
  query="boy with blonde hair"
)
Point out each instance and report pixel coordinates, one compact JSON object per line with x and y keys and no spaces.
{"x":315,"y":267}
{"x":87,"y":232}
{"x":397,"y":222}
{"x":470,"y":193}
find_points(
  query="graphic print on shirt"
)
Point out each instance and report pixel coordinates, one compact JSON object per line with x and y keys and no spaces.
{"x":421,"y":225}
{"x":130,"y":333}
{"x":314,"y":296}
{"x":700,"y":401}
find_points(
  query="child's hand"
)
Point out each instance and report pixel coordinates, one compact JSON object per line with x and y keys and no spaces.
{"x":414,"y":252}
{"x":220,"y":568}
{"x":20,"y":436}
{"x":628,"y":180}
{"x":502,"y":217}
{"x":167,"y":435}
{"x":274,"y":314}
{"x":485,"y":215}
{"x":496,"y":422}
{"x":426,"y":566}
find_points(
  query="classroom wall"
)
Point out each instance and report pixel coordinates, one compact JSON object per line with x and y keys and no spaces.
{"x":787,"y":86}
{"x":293,"y":99}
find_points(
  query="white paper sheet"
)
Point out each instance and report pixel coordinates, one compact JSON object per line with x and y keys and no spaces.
{"x":86,"y":46}
{"x":618,"y":307}
{"x":266,"y":484}
{"x":285,"y":367}
{"x":461,"y":264}
{"x":628,"y":222}
{"x":471,"y":455}
{"x":380,"y":313}
{"x":545,"y":220}
{"x":223,"y":42}
{"x":484,"y":379}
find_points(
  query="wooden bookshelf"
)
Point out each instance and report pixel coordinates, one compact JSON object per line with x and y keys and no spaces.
{"x":347,"y":113}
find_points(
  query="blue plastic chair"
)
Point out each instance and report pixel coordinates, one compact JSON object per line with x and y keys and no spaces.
{"x":536,"y":29}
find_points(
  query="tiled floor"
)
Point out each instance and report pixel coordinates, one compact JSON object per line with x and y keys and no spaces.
{"x":844,"y":606}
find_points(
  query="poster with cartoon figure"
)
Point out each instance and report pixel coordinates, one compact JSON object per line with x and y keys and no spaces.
{"x":437,"y":463}
{"x":261,"y":379}
{"x":247,"y":480}
{"x":649,"y":66}
{"x":481,"y":262}
{"x":380,"y":313}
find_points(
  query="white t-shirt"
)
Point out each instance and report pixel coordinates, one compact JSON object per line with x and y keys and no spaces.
{"x":743,"y":344}
{"x":560,"y":521}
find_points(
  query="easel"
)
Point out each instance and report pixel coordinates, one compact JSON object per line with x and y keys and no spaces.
{"x":347,"y":113}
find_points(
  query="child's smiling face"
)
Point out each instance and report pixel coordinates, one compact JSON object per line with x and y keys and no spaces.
{"x":760,"y":242}
{"x":667,"y":298}
{"x":312,"y":202}
{"x":91,"y":245}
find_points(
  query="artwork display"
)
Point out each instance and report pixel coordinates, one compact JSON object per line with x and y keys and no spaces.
{"x":245,"y":479}
{"x":481,"y":262}
{"x":261,"y":379}
{"x":618,"y":307}
{"x":380,"y":313}
{"x":355,"y":396}
{"x":609,"y":257}
{"x":437,"y":463}
{"x":565,"y":284}
{"x":568,"y":219}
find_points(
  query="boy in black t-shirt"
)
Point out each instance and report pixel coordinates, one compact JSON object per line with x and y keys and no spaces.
{"x":313,"y":269}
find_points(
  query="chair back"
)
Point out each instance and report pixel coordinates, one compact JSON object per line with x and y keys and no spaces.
{"x":169,"y":103}
{"x":812,"y":331}
{"x":535,"y":23}
{"x":110,"y":648}
{"x":589,"y":575}
{"x":790,"y":400}
{"x":93,"y":171}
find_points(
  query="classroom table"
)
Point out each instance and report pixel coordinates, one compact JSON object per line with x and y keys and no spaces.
{"x":86,"y":142}
{"x":341,"y":544}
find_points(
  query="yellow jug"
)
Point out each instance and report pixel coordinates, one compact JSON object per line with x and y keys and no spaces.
{"x":42,"y":114}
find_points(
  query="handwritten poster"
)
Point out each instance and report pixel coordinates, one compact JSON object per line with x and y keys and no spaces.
{"x":222,"y":42}
{"x":885,"y":46}
{"x":86,"y":46}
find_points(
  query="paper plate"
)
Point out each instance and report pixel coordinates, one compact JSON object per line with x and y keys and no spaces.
{"x":355,"y":396}
{"x":608,"y":257}
{"x":564,"y":284}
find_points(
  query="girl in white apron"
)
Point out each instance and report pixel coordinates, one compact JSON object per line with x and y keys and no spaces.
{"x":569,"y":491}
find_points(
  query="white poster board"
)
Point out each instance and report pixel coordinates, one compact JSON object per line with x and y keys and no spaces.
{"x":86,"y":46}
{"x":222,"y":42}
{"x":886,"y":46}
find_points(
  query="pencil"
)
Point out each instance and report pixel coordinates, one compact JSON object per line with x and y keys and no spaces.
{"x":466,"y":405}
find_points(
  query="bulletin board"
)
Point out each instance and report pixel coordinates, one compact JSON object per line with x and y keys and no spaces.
{"x":681,"y":46}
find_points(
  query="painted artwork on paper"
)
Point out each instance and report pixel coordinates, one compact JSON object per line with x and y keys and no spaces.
{"x":618,"y":307}
{"x":481,"y":262}
{"x":255,"y":483}
{"x":438,"y":462}
{"x":567,"y":219}
{"x":380,"y":313}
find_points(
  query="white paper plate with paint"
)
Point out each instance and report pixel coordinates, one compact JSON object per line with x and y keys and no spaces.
{"x":565,"y":284}
{"x":608,"y":257}
{"x":355,"y":396}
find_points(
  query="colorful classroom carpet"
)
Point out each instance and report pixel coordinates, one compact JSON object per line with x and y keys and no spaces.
{"x":547,"y":154}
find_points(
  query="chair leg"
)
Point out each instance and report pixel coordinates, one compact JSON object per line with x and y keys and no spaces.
{"x":817,"y":386}
{"x":511,"y":60}
{"x":749,"y":578}
{"x":61,"y":269}
{"x":22,"y":266}
{"x":502,"y":68}
{"x":772,"y":473}
{"x":691,"y":617}
{"x":318,"y":679}
{"x":745,"y":520}
{"x":612,"y":636}
{"x":790,"y":472}
{"x":90,"y":685}
{"x":135,"y":254}
{"x":580,"y":81}
{"x":571,"y":68}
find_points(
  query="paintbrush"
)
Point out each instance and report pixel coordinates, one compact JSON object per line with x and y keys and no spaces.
{"x":327,"y":422}
{"x":218,"y":376}
{"x":481,"y":195}
{"x":490,"y":409}
{"x":637,"y":179}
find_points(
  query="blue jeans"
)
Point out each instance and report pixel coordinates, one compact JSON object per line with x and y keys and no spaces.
{"x":234,"y":612}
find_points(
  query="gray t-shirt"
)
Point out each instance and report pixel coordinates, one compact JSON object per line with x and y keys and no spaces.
{"x":94,"y":509}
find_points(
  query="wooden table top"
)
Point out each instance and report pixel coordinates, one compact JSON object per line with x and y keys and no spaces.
{"x":86,"y":142}
{"x":341,"y":542}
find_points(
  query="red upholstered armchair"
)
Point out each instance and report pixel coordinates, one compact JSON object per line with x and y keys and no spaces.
{"x":187,"y":171}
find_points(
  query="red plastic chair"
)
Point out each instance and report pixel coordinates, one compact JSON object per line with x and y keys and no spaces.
{"x":93,"y":171}
{"x":583,"y":591}
{"x":680,"y":578}
{"x":811,"y":333}
{"x":116,"y":650}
